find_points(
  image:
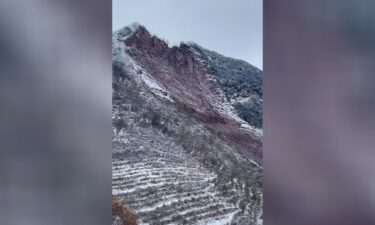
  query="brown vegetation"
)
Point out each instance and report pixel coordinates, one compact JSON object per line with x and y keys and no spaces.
{"x":121,"y":213}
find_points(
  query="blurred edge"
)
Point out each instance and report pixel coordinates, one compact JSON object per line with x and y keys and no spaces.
{"x":55,"y":157}
{"x":319,"y":146}
{"x":55,"y":95}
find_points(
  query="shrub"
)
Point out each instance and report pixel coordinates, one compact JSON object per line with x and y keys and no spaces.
{"x":251,"y":112}
{"x":122,"y":212}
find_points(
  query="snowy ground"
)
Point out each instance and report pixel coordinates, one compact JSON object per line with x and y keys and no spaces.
{"x":162,"y":183}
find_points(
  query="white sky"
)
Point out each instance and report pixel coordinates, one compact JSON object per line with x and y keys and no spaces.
{"x":230,"y":27}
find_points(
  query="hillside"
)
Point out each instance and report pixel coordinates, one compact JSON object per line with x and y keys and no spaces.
{"x":187,"y":132}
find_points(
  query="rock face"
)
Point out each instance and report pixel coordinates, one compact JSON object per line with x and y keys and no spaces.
{"x":187,"y":137}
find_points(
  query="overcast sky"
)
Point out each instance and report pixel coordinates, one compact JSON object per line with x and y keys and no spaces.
{"x":231,"y":27}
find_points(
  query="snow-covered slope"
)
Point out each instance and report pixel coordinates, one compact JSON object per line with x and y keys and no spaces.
{"x":181,"y":152}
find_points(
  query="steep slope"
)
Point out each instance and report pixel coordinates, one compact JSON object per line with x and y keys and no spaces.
{"x":181,"y":153}
{"x":241,"y":82}
{"x":185,"y":76}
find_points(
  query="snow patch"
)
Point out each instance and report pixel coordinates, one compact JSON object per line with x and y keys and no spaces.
{"x":126,"y":31}
{"x":218,"y":221}
{"x":246,"y":126}
{"x":155,"y":87}
{"x":240,"y":99}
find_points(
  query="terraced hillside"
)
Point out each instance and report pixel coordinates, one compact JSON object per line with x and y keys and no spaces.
{"x":173,"y":163}
{"x":158,"y":179}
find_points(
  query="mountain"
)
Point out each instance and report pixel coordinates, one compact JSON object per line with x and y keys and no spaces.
{"x":187,"y":132}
